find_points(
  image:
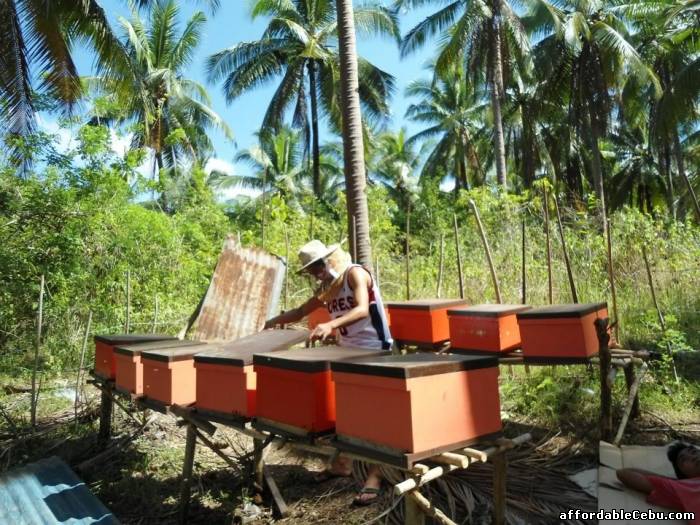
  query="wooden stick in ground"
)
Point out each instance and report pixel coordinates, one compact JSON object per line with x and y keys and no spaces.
{"x":662,"y":321}
{"x":408,"y":252}
{"x":154,"y":327}
{"x":429,"y":509}
{"x":630,"y":379}
{"x":549,"y":246}
{"x":487,"y":249}
{"x":37,"y":347}
{"x":601,"y":326}
{"x":414,"y":514}
{"x":631,"y":400}
{"x":187,"y":467}
{"x":127,"y":325}
{"x":286,"y":268}
{"x":81,"y":365}
{"x":567,"y":261}
{"x":459,"y":258}
{"x":611,"y":276}
{"x":524,"y":277}
{"x":441,"y":263}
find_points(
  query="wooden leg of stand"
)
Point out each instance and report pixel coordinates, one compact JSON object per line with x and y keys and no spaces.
{"x":187,"y":467}
{"x":605,"y":390}
{"x":258,"y":463}
{"x":413,"y":513}
{"x":105,"y":432}
{"x":630,"y":376}
{"x":500,"y":466}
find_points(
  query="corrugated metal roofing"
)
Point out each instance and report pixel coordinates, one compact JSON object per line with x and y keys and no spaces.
{"x":244,"y":293}
{"x":48,"y":492}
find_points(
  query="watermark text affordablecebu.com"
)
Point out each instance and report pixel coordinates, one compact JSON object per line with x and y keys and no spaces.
{"x":622,"y":514}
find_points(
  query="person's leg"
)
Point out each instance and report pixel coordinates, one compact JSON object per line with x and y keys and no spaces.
{"x":370,"y":490}
{"x":635,"y":479}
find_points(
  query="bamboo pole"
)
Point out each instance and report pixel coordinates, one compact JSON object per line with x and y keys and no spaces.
{"x":81,"y":365}
{"x":438,"y":292}
{"x":611,"y":276}
{"x":569,"y":272}
{"x":286,"y":267}
{"x":662,"y":321}
{"x":155,"y":315}
{"x":39,"y":322}
{"x":487,"y":249}
{"x":549,"y":245}
{"x":459,"y":258}
{"x":408,"y":252}
{"x":127,"y":325}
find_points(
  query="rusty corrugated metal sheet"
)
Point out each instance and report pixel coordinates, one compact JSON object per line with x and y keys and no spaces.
{"x":46,"y":493}
{"x":244,"y":292}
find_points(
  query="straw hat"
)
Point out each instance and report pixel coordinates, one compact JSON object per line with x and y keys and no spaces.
{"x":314,"y":251}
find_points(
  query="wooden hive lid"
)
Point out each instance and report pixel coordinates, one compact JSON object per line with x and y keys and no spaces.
{"x":488,"y":310}
{"x":176,"y":354}
{"x":137,"y":349}
{"x":414,"y":365}
{"x":241,"y":351}
{"x":313,"y":359}
{"x":128,"y":339}
{"x":426,"y":304}
{"x":555,"y":311}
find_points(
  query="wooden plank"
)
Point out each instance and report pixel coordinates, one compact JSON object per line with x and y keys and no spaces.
{"x":188,"y":415}
{"x":278,"y":501}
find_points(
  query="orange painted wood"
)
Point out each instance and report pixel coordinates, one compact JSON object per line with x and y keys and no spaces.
{"x":226,"y":381}
{"x":105,"y":363}
{"x":422,"y":321}
{"x":485,"y":328}
{"x":560,"y":337}
{"x":301,"y":399}
{"x":169,"y":376}
{"x":426,"y":412}
{"x":129,"y":373}
{"x":294,"y":387}
{"x":226,"y":389}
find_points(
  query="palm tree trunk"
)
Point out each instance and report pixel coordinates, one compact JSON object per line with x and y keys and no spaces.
{"x":670,"y":193}
{"x":315,"y":150}
{"x":596,"y":161}
{"x":678,"y":152}
{"x":353,"y":148}
{"x":497,"y":95}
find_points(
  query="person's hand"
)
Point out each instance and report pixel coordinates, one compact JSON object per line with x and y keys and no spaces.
{"x":322,"y":332}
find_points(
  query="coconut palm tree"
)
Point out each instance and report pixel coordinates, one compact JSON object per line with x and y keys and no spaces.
{"x":455,"y":117}
{"x":35,"y":54}
{"x":586,"y":57}
{"x":298,"y":45}
{"x":489,"y":36}
{"x":171,"y":113}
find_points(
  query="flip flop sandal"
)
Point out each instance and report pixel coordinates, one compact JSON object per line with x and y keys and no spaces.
{"x":360,"y":502}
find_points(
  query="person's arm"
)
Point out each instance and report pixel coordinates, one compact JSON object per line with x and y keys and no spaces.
{"x":359,"y":281}
{"x":295,"y":314}
{"x":636,"y":479}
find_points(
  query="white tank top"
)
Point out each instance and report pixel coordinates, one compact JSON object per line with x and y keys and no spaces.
{"x":369,"y":332}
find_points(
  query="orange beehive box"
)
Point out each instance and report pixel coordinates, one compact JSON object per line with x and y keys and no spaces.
{"x":105,"y":364}
{"x":129,"y":378}
{"x":225,"y":376}
{"x":564,"y":332}
{"x":169,"y":376}
{"x":422,"y":321}
{"x":294,"y":387}
{"x":414,"y":406}
{"x":484,"y":327}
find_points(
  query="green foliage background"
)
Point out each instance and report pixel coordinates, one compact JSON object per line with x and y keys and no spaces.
{"x":81,"y":220}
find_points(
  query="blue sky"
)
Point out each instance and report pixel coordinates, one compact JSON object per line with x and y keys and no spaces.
{"x":232,"y":24}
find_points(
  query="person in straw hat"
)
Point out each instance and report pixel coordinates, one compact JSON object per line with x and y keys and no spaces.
{"x":352,"y":298}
